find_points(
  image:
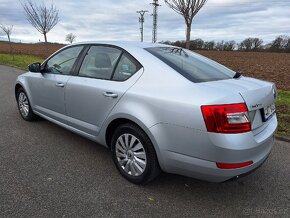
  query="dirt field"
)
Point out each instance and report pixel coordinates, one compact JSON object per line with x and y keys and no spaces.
{"x":273,"y":67}
{"x":38,"y":49}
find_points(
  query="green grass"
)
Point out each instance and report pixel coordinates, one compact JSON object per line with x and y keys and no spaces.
{"x":20,"y":61}
{"x":283,"y":112}
{"x":282,"y":104}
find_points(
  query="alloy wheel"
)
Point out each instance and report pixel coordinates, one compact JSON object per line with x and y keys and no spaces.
{"x":131,"y":154}
{"x":23,"y":104}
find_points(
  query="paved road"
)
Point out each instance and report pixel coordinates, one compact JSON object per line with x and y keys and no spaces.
{"x":47,"y":171}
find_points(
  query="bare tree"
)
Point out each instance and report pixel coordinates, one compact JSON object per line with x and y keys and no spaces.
{"x":209,"y":45}
{"x":251,"y":44}
{"x":70,"y":38}
{"x":188,"y":9}
{"x":257,"y":43}
{"x":288,"y":45}
{"x":41,"y":17}
{"x":8,"y":31}
{"x":281,"y":43}
{"x":196,"y":44}
{"x":179,"y":43}
{"x":220,"y":45}
{"x":229,"y":45}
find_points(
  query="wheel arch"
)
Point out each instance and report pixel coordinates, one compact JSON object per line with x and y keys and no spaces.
{"x":21,"y":82}
{"x":113,"y":125}
{"x":17,"y":87}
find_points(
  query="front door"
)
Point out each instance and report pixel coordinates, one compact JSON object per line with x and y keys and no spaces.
{"x":48,"y":87}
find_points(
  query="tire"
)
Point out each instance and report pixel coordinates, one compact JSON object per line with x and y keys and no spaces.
{"x":138,"y":164}
{"x":24,"y":107}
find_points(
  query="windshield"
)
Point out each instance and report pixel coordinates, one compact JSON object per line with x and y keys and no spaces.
{"x":192,"y":66}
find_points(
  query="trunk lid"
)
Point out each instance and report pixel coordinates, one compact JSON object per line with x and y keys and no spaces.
{"x":257,"y":95}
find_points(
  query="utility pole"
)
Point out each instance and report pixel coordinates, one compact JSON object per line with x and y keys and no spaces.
{"x":155,"y":15}
{"x":141,"y":21}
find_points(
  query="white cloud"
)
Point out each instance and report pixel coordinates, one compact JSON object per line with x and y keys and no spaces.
{"x":118,"y":20}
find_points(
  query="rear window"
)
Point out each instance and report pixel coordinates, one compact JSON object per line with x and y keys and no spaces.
{"x":192,"y":66}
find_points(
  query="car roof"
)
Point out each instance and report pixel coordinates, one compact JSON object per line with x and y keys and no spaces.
{"x":124,"y":44}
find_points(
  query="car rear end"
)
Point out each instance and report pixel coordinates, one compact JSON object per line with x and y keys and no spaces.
{"x":243,"y":133}
{"x":228,"y":124}
{"x":223,"y":138}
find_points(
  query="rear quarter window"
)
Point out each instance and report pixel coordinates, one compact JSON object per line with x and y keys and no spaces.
{"x":125,"y":68}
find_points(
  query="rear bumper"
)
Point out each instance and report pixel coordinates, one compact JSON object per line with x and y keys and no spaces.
{"x":194,"y":153}
{"x":207,"y":170}
{"x":249,"y":172}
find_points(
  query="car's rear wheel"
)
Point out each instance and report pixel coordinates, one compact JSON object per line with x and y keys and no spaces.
{"x":24,"y":105}
{"x":134,"y":154}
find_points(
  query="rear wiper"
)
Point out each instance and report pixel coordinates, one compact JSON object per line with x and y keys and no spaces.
{"x":237,"y":75}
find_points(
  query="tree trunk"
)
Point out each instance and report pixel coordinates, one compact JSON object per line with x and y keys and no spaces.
{"x":10,"y":47}
{"x":45,"y":39}
{"x":188,"y":30}
{"x":45,"y":43}
{"x":10,"y":44}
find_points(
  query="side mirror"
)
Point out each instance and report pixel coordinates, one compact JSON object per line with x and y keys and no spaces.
{"x":34,"y":67}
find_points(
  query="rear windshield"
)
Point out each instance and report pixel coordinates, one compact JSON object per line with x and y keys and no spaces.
{"x":192,"y":66}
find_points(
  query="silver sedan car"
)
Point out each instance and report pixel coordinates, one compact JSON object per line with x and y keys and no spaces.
{"x":156,"y":107}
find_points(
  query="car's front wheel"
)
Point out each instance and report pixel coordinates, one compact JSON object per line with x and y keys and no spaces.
{"x":134,"y":154}
{"x":24,"y":105}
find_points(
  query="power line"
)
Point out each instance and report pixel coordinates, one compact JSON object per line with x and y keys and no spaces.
{"x":141,"y":21}
{"x":155,"y":16}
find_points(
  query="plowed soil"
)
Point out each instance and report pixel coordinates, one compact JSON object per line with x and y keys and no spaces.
{"x":274,"y":67}
{"x":38,"y":49}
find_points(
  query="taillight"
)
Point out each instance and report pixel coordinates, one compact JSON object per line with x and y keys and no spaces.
{"x":227,"y":118}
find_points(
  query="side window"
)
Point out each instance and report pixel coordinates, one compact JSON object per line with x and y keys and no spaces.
{"x":63,"y":62}
{"x":100,"y":62}
{"x":125,"y":69}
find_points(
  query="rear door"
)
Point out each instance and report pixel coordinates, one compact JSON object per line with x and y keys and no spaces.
{"x":104,"y":76}
{"x":48,"y":87}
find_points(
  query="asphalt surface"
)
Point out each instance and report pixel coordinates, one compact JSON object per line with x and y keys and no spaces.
{"x":47,"y":171}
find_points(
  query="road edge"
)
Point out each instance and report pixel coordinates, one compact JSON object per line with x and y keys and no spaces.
{"x":12,"y":66}
{"x":282,"y":138}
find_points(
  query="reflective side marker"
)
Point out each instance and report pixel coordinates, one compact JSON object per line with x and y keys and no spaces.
{"x":233,"y":165}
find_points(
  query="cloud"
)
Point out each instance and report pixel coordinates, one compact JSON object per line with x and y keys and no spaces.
{"x":118,"y":20}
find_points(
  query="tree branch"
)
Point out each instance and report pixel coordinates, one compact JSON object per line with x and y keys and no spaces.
{"x":188,"y":9}
{"x":41,"y":17}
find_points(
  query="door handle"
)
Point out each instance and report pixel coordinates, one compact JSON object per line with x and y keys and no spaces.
{"x":59,"y":84}
{"x":110,"y":94}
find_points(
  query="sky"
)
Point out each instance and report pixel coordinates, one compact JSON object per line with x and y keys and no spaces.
{"x":117,"y":20}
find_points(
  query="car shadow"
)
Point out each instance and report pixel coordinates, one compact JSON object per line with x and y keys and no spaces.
{"x":166,"y":185}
